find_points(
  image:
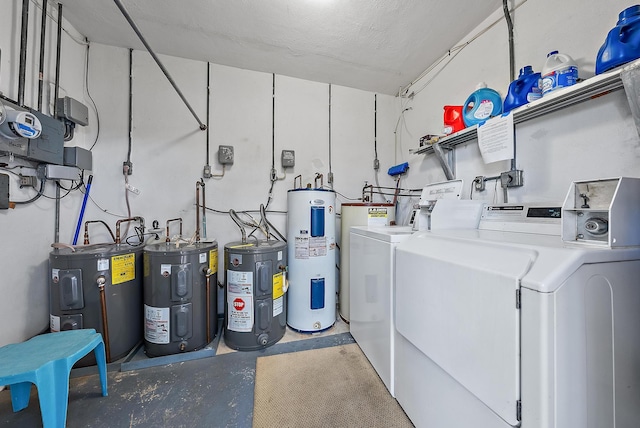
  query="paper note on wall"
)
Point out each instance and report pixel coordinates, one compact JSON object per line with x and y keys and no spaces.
{"x":495,"y":138}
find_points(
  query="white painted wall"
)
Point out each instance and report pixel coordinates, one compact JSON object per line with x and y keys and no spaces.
{"x":28,"y":231}
{"x":592,"y":140}
{"x":169,"y":153}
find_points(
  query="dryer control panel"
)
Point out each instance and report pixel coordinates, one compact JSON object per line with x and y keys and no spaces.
{"x":602,"y":212}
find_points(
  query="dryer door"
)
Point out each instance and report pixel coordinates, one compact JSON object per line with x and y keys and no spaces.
{"x":456,"y":302}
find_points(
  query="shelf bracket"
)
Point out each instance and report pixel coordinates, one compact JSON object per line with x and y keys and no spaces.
{"x":630,"y":76}
{"x":447,"y":160}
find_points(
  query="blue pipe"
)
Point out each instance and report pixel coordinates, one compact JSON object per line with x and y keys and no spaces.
{"x":84,"y":204}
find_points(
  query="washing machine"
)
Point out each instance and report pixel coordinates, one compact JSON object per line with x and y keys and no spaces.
{"x":510,"y":325}
{"x":371,"y":303}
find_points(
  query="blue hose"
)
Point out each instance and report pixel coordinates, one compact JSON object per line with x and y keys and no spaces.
{"x":84,"y":204}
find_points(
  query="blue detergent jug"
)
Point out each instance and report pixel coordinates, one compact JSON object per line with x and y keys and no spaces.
{"x":481,"y":105}
{"x":622,"y":43}
{"x":524,"y":89}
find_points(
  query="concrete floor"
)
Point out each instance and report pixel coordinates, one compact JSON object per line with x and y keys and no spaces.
{"x":215,"y":389}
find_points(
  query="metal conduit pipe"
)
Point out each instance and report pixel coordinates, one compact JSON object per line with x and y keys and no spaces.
{"x":23,"y":51}
{"x":133,"y":25}
{"x":43,"y":32}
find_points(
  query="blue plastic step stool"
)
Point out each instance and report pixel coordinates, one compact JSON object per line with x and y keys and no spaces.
{"x":46,"y":361}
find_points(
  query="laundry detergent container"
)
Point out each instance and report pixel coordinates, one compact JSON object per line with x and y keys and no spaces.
{"x":622,"y":43}
{"x":524,"y":89}
{"x":482,"y":104}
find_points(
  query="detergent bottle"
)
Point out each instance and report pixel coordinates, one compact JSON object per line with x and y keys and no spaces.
{"x":452,"y":119}
{"x":481,"y":105}
{"x":524,"y":89}
{"x":622,"y":43}
{"x":559,"y":71}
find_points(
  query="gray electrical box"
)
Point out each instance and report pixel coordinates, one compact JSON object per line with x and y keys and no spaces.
{"x":225,"y":155}
{"x":288,"y":158}
{"x":78,"y":157}
{"x":73,"y":111}
{"x":4,"y":191}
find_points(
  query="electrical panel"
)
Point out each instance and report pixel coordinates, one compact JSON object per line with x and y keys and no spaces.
{"x":288,"y":158}
{"x":225,"y":155}
{"x":48,"y":142}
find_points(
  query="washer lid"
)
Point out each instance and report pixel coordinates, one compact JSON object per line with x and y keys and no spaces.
{"x":456,"y":303}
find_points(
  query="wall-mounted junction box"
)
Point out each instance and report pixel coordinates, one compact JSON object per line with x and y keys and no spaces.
{"x":225,"y":155}
{"x":288,"y":158}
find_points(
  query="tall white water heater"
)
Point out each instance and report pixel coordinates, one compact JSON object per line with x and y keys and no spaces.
{"x":311,"y":247}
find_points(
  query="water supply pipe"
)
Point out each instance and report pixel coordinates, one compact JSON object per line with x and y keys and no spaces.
{"x":86,"y":230}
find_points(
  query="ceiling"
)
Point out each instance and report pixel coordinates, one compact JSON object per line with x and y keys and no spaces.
{"x":374,"y":45}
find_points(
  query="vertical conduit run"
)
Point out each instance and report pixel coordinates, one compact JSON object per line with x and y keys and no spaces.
{"x":130,"y":108}
{"x":208,"y":109}
{"x":43,"y":31}
{"x":375,"y":126}
{"x":56,"y":233}
{"x":23,"y":51}
{"x":330,"y":176}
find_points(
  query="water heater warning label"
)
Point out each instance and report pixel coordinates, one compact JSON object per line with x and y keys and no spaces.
{"x":156,"y":325}
{"x":240,"y":301}
{"x":123,"y":268}
{"x":377,"y":216}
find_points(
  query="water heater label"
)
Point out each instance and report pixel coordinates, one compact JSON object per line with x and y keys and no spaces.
{"x":302,"y":247}
{"x":240,"y":301}
{"x":213,"y":261}
{"x":156,"y":325}
{"x":123,"y":268}
{"x":54,"y":323}
{"x":278,"y":282}
{"x":318,"y":246}
{"x":103,"y":264}
{"x":278,"y":305}
{"x":377,"y":217}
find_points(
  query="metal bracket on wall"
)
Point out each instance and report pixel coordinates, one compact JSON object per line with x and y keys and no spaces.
{"x":447,"y":160}
{"x":630,"y":76}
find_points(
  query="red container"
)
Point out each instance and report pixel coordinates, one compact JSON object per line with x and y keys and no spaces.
{"x":453,"y":121}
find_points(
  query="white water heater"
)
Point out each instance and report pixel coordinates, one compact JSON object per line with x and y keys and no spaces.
{"x":311,"y":249}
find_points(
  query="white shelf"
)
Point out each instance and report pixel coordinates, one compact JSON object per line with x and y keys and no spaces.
{"x":588,"y":89}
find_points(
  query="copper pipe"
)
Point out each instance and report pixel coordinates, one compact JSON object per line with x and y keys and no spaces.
{"x":295,"y":179}
{"x":105,"y":325}
{"x":86,"y":230}
{"x":207,"y":273}
{"x":198,"y":185}
{"x":168,"y":239}
{"x":126,"y":220}
{"x":318,"y":177}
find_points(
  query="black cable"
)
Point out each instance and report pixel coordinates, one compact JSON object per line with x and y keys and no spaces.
{"x":95,"y":107}
{"x":35,"y":198}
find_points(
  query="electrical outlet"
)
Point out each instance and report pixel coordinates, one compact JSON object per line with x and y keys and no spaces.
{"x":479,"y":184}
{"x":28,"y":181}
{"x":127,"y":168}
{"x":511,"y":178}
{"x":225,"y":155}
{"x":206,"y":172}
